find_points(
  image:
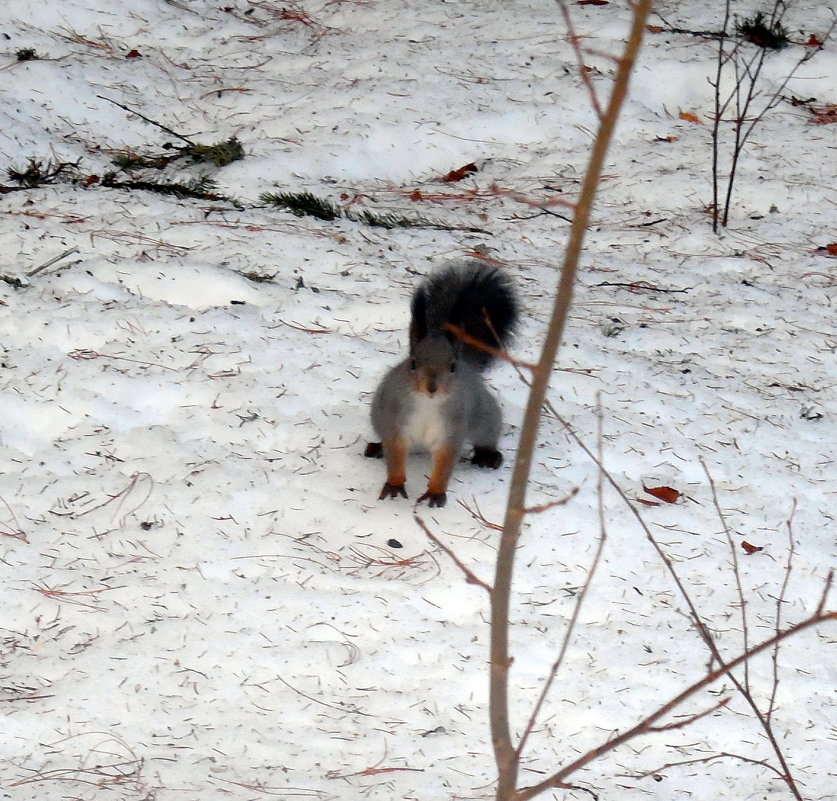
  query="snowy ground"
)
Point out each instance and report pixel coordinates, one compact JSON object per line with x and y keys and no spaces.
{"x":198,"y":596}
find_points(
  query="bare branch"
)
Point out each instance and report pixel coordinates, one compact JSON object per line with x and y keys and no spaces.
{"x":688,"y":721}
{"x":700,"y":626}
{"x":703,"y":760}
{"x":647,"y":723}
{"x":742,"y":601}
{"x":565,"y":644}
{"x":584,"y":70}
{"x":779,"y":602}
{"x":470,"y":576}
{"x":505,"y":753}
{"x":477,"y":514}
{"x":544,"y":507}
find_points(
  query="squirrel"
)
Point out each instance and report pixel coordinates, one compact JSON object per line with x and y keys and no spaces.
{"x":436,"y":398}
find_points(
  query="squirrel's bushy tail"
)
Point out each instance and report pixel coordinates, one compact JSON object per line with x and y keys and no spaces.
{"x":474,"y":296}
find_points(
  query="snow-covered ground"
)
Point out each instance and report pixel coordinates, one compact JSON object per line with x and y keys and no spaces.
{"x":200,"y":594}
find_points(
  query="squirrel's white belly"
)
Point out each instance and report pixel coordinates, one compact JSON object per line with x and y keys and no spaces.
{"x":425,"y":425}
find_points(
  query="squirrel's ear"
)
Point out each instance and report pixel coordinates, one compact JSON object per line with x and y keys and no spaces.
{"x":418,"y":318}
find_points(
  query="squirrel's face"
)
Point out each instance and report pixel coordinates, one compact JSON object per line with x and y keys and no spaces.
{"x":433,"y":365}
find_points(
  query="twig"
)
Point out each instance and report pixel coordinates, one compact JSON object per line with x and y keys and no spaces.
{"x":779,"y":603}
{"x":744,"y":687}
{"x":305,"y":330}
{"x":36,"y":270}
{"x":478,"y":344}
{"x":636,"y":286}
{"x":477,"y":514}
{"x":121,"y":496}
{"x":645,"y":725}
{"x":87,"y":355}
{"x":349,"y":709}
{"x":14,"y":531}
{"x":284,"y":792}
{"x":86,"y":598}
{"x":736,"y":572}
{"x":699,"y":625}
{"x":506,"y":755}
{"x":828,"y":582}
{"x":688,"y":721}
{"x":544,"y":507}
{"x":26,"y":698}
{"x":470,"y":576}
{"x":573,"y":39}
{"x":147,"y":119}
{"x":702,"y":760}
{"x":579,"y":602}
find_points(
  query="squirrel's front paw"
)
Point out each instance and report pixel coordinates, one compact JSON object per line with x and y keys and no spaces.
{"x":392,"y":491}
{"x":434,"y":498}
{"x":487,"y":457}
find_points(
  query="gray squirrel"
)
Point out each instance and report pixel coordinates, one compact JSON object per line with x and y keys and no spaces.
{"x":436,"y":398}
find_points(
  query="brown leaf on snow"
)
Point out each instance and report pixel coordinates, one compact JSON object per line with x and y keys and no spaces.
{"x":416,"y":195}
{"x":813,"y":41}
{"x":654,"y":29}
{"x":592,"y":2}
{"x":824,"y":115}
{"x":687,"y":116}
{"x":665,"y":494}
{"x":750,"y":549}
{"x":458,"y":175}
{"x":134,"y":54}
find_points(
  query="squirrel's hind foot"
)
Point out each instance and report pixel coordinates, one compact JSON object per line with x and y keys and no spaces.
{"x":374,"y":450}
{"x":487,"y":457}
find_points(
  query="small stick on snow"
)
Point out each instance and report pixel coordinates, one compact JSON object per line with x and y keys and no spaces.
{"x":42,"y":267}
{"x":148,"y":120}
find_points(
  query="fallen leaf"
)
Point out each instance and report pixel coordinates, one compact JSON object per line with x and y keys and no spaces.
{"x":91,"y":179}
{"x":592,"y":2}
{"x":813,"y":41}
{"x":416,"y":195}
{"x":665,"y":494}
{"x":689,"y":117}
{"x":458,"y":175}
{"x":750,"y":549}
{"x":824,"y":115}
{"x":646,"y":502}
{"x":133,"y":54}
{"x":666,"y":139}
{"x":654,"y":29}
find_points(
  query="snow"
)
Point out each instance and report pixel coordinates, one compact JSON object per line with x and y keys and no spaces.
{"x":200,"y":595}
